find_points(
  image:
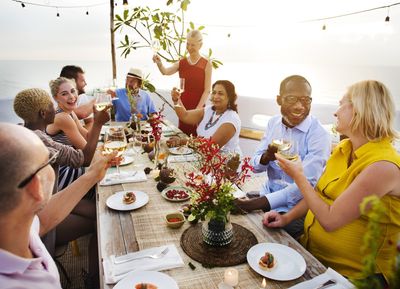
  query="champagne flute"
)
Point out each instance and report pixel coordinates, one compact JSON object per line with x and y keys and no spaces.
{"x":181,"y":87}
{"x":115,"y":140}
{"x":102,"y":100}
{"x":155,"y":46}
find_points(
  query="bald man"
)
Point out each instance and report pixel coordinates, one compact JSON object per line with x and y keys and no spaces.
{"x":27,"y":180}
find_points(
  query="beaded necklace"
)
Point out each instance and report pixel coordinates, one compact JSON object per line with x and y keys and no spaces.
{"x":210,"y":122}
{"x":193,"y":63}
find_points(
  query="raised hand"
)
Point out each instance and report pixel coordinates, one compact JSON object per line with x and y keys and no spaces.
{"x":269,"y":155}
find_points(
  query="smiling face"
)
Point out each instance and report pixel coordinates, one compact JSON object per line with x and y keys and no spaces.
{"x":344,"y":115}
{"x":219,"y":98}
{"x":66,"y":96}
{"x":80,"y":83}
{"x":133,"y":84}
{"x":295,"y":102}
{"x":193,"y":45}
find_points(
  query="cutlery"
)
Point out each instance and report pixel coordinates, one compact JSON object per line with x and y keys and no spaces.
{"x":326,"y":284}
{"x":152,"y":256}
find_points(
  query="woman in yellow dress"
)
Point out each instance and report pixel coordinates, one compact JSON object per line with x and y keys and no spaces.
{"x":365,"y":164}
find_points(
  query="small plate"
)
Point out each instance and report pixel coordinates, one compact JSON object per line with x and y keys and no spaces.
{"x":161,"y":280}
{"x":289,"y":263}
{"x":126,"y":161}
{"x":164,"y":193}
{"x":180,"y":150}
{"x":115,"y":201}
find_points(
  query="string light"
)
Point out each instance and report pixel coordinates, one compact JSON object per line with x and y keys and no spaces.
{"x":22,"y":4}
{"x":324,"y":27}
{"x":387,"y":19}
{"x":58,"y":13}
{"x":125,"y":2}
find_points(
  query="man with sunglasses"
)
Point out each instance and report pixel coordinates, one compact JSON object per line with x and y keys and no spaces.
{"x":279,"y":192}
{"x":27,"y":180}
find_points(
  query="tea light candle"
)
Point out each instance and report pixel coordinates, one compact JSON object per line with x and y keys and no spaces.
{"x":231,"y":277}
{"x":263,"y":283}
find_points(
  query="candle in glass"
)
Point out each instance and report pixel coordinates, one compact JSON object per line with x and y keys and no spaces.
{"x":231,"y":277}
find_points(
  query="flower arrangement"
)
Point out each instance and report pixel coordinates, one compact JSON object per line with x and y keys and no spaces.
{"x":212,"y":196}
{"x":155,"y":121}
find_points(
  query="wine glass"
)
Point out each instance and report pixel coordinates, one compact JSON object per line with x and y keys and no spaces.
{"x":282,"y":141}
{"x":115,"y":140}
{"x":155,"y":46}
{"x":102,"y":100}
{"x":290,"y":151}
{"x":181,"y":87}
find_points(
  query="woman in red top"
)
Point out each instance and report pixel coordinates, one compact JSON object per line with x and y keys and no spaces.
{"x":196,"y":70}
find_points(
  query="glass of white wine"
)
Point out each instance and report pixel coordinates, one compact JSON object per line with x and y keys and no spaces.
{"x":102,"y":100}
{"x":155,"y":46}
{"x":290,"y":151}
{"x":115,"y":140}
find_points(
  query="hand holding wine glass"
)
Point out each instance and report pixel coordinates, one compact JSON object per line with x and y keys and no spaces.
{"x":115,"y":140}
{"x":181,"y":87}
{"x":103,"y":100}
{"x":155,"y":46}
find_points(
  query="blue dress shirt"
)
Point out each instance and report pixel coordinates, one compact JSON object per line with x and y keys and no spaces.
{"x":314,"y":149}
{"x":122,"y":106}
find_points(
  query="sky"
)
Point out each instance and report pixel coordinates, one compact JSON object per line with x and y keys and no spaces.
{"x":251,"y":30}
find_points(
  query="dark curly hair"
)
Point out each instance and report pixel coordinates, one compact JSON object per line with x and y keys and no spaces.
{"x":230,"y":91}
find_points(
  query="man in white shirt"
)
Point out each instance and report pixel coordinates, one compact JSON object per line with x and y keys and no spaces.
{"x":85,"y":103}
{"x":28,"y":209}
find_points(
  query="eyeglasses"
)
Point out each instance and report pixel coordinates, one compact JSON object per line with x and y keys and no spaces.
{"x":292,"y":99}
{"x":51,"y":161}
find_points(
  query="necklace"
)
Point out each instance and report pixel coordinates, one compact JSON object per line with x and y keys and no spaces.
{"x":210,"y":122}
{"x":194,"y":62}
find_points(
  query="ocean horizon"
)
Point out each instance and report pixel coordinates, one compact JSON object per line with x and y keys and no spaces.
{"x":252,"y":80}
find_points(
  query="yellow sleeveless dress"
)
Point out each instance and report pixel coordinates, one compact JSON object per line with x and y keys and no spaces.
{"x":341,"y":249}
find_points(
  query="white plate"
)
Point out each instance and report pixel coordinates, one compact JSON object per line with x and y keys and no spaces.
{"x":126,"y":161}
{"x":164,"y":193}
{"x":115,"y":201}
{"x":161,"y":280}
{"x":180,"y":150}
{"x":289,"y":263}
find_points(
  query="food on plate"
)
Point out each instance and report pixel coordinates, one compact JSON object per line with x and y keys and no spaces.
{"x":175,"y":194}
{"x":129,"y":198}
{"x":145,"y":286}
{"x":174,"y":220}
{"x":267,"y":262}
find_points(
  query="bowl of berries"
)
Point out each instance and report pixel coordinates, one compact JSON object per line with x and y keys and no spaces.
{"x":175,"y":220}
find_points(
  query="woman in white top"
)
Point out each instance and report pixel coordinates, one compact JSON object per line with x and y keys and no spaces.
{"x":220,"y":121}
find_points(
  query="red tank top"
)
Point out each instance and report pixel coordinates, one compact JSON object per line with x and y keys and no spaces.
{"x":194,"y":76}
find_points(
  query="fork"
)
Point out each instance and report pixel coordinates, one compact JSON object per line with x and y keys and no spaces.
{"x":327,"y":284}
{"x":152,"y":256}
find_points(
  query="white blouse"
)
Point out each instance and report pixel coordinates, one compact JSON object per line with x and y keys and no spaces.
{"x":211,"y":122}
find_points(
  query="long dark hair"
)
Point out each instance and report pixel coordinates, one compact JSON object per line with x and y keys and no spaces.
{"x":230,"y":91}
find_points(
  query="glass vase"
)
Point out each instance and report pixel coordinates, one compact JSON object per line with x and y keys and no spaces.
{"x":157,"y":150}
{"x":217,"y":232}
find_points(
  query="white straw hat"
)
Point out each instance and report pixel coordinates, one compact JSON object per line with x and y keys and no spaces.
{"x":135,"y":72}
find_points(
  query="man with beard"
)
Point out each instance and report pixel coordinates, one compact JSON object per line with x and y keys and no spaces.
{"x":85,"y":103}
{"x":279,"y":192}
{"x":27,"y":181}
{"x":132,"y":99}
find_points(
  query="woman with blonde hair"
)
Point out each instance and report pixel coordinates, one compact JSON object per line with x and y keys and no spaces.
{"x":66,"y":128}
{"x":196,"y":70}
{"x":365,"y":164}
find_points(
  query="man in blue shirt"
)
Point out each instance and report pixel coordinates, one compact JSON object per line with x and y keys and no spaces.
{"x":279,"y":192}
{"x":122,"y":102}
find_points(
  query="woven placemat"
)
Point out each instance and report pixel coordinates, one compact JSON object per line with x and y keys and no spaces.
{"x":229,"y":255}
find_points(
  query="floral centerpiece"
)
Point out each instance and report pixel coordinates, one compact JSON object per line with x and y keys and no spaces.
{"x":212,"y":199}
{"x":155,"y":121}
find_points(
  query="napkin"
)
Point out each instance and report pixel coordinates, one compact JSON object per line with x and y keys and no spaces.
{"x":115,"y":272}
{"x":124,"y":177}
{"x":342,"y":283}
{"x":182,"y":158}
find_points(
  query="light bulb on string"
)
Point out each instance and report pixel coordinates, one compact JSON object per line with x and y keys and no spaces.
{"x":58,"y":13}
{"x":387,"y":18}
{"x":87,"y":11}
{"x":125,"y":2}
{"x":23,"y":4}
{"x":324,"y":27}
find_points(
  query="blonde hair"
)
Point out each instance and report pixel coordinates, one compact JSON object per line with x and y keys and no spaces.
{"x":373,"y":110}
{"x":56,"y":83}
{"x":29,"y":102}
{"x":195,"y":34}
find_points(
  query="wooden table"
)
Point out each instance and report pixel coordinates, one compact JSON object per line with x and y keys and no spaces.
{"x":123,"y":232}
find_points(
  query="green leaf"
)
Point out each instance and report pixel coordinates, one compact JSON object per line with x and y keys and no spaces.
{"x":201,"y":27}
{"x":126,"y":13}
{"x":118,"y":17}
{"x":169,"y":2}
{"x":191,"y":24}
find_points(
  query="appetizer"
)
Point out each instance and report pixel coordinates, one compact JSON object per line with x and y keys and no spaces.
{"x":145,"y":286}
{"x":267,"y":262}
{"x":129,"y":198}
